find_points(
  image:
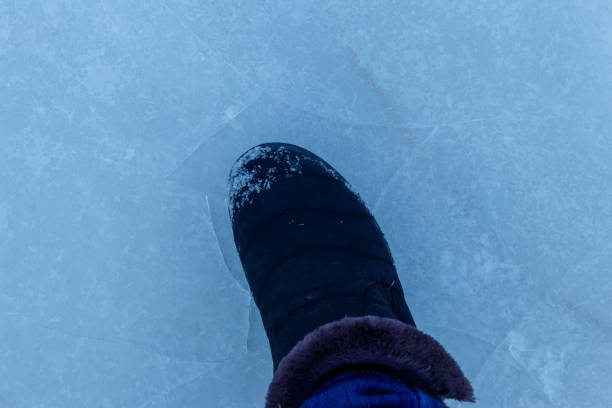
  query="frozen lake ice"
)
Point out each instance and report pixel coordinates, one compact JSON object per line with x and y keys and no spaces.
{"x":478,"y":133}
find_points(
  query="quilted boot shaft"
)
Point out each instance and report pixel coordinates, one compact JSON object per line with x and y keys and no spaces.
{"x":311,"y":250}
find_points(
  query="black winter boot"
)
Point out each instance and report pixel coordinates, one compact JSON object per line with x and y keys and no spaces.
{"x":323,"y":278}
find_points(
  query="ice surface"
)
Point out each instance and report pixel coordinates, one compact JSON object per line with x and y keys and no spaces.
{"x":479,"y":134}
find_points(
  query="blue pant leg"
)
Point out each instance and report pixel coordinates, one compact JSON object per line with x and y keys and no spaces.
{"x":369,"y":390}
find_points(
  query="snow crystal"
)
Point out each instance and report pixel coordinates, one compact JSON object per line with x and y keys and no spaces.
{"x":245,"y":182}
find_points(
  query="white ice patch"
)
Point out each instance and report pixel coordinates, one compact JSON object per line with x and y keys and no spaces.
{"x":245,"y":183}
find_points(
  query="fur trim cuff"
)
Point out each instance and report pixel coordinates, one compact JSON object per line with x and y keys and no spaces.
{"x":413,"y":356}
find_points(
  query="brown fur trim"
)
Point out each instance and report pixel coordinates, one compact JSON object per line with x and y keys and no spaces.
{"x":413,"y":356}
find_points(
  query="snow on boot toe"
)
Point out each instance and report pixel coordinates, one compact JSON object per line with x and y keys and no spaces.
{"x":260,"y":167}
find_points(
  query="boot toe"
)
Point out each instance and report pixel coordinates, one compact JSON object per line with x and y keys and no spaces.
{"x":262,"y":167}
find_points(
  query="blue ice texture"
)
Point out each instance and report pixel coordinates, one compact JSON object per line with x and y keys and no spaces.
{"x":478,"y":132}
